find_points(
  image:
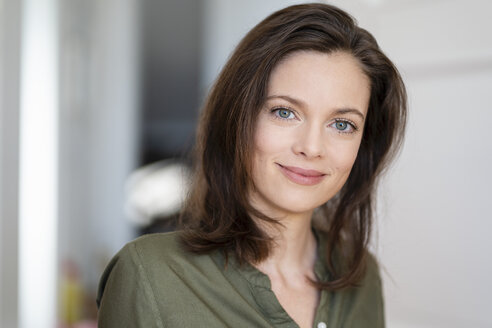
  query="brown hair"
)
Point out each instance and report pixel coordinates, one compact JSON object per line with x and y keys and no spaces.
{"x":218,"y":214}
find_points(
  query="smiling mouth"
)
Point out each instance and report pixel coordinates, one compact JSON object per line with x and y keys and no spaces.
{"x":302,"y":176}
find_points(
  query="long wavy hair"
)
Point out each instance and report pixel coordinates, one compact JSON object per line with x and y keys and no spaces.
{"x":218,"y":214}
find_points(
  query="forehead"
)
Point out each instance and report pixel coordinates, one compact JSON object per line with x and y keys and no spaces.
{"x":321,"y":79}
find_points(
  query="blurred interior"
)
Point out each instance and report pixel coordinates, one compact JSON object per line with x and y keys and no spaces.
{"x":114,"y":126}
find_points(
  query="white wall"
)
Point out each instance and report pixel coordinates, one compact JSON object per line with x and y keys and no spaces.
{"x":434,"y":214}
{"x":433,"y":209}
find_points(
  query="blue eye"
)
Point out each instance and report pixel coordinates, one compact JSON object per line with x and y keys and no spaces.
{"x":284,"y":113}
{"x":344,"y":126}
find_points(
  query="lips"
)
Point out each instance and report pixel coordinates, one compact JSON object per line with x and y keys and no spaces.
{"x":302,"y":176}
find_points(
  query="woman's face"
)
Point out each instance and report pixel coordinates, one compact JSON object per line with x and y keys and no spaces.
{"x":308,"y":132}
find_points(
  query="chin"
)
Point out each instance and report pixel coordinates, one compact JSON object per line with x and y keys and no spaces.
{"x":294,"y":207}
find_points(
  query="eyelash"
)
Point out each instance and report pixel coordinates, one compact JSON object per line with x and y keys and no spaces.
{"x":275,"y":112}
{"x":349,"y":122}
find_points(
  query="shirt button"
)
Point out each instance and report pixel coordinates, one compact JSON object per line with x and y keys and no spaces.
{"x":322,"y":325}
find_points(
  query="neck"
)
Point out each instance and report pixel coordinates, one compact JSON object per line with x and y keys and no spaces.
{"x":294,"y":247}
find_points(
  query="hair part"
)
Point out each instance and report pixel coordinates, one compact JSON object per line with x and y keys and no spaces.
{"x":218,"y":214}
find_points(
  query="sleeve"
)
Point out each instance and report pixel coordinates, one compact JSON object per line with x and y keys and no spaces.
{"x":125,"y":296}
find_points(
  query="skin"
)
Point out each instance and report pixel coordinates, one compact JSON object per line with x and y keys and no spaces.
{"x":313,"y":119}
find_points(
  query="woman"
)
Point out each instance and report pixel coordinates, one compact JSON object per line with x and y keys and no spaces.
{"x":300,"y":123}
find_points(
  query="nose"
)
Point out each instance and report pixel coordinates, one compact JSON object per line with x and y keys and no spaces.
{"x":310,"y":142}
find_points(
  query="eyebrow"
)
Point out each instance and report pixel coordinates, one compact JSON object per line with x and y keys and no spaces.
{"x":350,"y":111}
{"x":300,"y":103}
{"x":294,"y":101}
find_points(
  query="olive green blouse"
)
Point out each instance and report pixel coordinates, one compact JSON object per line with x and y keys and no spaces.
{"x":153,"y":282}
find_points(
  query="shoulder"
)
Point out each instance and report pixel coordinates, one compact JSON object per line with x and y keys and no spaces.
{"x":163,"y":247}
{"x":146,"y":259}
{"x":145,"y":250}
{"x":158,"y":259}
{"x":154,"y":281}
{"x":135,"y":258}
{"x":149,"y":280}
{"x":150,"y":254}
{"x":126,"y":288}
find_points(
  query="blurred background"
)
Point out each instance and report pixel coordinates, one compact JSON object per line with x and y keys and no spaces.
{"x":99,"y":101}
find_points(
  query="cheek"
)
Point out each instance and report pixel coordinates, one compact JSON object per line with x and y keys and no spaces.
{"x":269,"y":141}
{"x":343,"y":156}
